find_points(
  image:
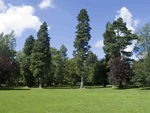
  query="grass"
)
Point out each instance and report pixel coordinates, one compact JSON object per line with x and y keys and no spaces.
{"x":66,"y":100}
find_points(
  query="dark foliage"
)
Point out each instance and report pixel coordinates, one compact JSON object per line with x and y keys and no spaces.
{"x":120,"y":71}
{"x":6,"y":68}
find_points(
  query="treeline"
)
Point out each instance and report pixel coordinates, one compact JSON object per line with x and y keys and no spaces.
{"x":39,"y":64}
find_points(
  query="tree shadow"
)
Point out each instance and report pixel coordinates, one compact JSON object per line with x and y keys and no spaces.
{"x":96,"y":87}
{"x":129,"y":87}
{"x":11,"y":88}
{"x":74,"y":87}
{"x":57,"y":88}
{"x":145,"y":88}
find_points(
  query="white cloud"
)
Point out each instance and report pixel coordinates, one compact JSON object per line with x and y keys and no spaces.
{"x":136,"y":21}
{"x":46,"y":4}
{"x":135,"y":58}
{"x":126,"y":15}
{"x":99,"y":43}
{"x":18,"y":18}
{"x":2,"y":6}
{"x":48,"y":27}
{"x":130,"y":47}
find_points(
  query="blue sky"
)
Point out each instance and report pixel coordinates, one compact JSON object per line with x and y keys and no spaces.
{"x":26,"y":16}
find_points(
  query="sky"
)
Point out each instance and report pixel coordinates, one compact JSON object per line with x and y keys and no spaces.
{"x":26,"y":16}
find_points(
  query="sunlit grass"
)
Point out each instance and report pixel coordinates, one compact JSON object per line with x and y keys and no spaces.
{"x":93,"y":99}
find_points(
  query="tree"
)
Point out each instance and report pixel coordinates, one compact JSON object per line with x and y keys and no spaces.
{"x":142,"y":72}
{"x":142,"y":47}
{"x":81,"y":42}
{"x":6,"y":69}
{"x":25,"y":64}
{"x":89,"y":62}
{"x":108,"y":40}
{"x":116,"y":43}
{"x":59,"y":74}
{"x":16,"y":75}
{"x":40,"y":57}
{"x":29,"y":44}
{"x":120,"y":71}
{"x":7,"y":45}
{"x":122,"y":38}
{"x":70,"y":76}
{"x":98,"y":72}
{"x":94,"y":75}
{"x":60,"y":64}
{"x":63,"y":52}
{"x":7,"y":53}
{"x":52,"y":70}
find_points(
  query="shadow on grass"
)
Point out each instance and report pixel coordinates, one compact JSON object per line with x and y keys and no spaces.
{"x":12,"y":88}
{"x":146,"y":88}
{"x":129,"y":87}
{"x":52,"y":87}
{"x":96,"y":87}
{"x":74,"y":87}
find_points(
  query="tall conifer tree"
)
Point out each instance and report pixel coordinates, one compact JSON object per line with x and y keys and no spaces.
{"x":40,"y":57}
{"x":25,"y":64}
{"x":81,"y":42}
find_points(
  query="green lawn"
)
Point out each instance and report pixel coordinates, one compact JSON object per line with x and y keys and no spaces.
{"x":65,"y":100}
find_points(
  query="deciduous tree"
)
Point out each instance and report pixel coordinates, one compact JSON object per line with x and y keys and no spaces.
{"x":120,"y":71}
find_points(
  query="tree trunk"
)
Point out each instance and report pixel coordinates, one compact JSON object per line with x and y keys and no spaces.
{"x":43,"y":81}
{"x":40,"y":82}
{"x":113,"y":86}
{"x":17,"y":82}
{"x":104,"y":83}
{"x":120,"y":85}
{"x":82,"y":83}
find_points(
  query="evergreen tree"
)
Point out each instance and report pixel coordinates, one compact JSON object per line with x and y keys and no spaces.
{"x":123,"y":38}
{"x":108,"y":40}
{"x":63,"y":52}
{"x":81,"y":42}
{"x":29,"y":44}
{"x":25,"y":64}
{"x":40,"y":57}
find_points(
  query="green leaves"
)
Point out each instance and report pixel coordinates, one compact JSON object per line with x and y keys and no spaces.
{"x":98,"y":72}
{"x":63,"y":52}
{"x":116,"y":38}
{"x":141,"y":71}
{"x":29,"y":44}
{"x":142,"y":46}
{"x":40,"y":57}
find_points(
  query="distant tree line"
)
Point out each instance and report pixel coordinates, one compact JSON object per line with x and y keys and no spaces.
{"x":39,"y":64}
